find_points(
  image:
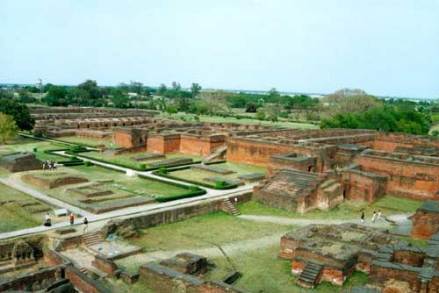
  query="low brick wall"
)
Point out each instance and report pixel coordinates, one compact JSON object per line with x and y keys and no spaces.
{"x":183,"y":213}
{"x":84,"y":283}
{"x":35,"y":280}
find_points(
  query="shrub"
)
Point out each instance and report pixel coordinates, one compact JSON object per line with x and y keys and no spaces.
{"x":220,"y":184}
{"x":88,"y":164}
{"x":35,"y":150}
{"x":142,"y":166}
{"x":163,"y":170}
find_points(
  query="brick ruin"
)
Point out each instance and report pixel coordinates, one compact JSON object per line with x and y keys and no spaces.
{"x":19,"y":162}
{"x":331,"y":253}
{"x":425,"y":222}
{"x":320,"y":168}
{"x":410,"y":267}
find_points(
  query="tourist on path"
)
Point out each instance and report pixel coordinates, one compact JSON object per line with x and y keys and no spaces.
{"x":374,"y":217}
{"x":379,"y":214}
{"x":47,"y":220}
{"x":85,"y":225}
{"x":72,"y":218}
{"x":362,"y":217}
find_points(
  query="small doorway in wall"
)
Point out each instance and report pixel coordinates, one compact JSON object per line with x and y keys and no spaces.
{"x":309,"y":168}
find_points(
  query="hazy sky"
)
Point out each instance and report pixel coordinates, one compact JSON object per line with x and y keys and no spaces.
{"x":386,"y":47}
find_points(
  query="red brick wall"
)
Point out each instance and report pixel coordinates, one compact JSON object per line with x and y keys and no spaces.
{"x":82,"y":282}
{"x":389,"y":142}
{"x":409,"y":258}
{"x":407,"y":179}
{"x":381,"y":275}
{"x":163,"y":144}
{"x":259,"y":153}
{"x":360,"y":187}
{"x":202,"y":146}
{"x":123,"y":139}
{"x":424,"y":224}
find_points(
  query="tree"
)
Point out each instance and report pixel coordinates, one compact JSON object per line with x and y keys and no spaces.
{"x":8,"y":128}
{"x":251,"y":107}
{"x":20,"y":112}
{"x":195,"y":89}
{"x":349,"y":101}
{"x":56,"y":96}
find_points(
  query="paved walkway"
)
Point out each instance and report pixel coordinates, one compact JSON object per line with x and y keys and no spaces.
{"x":120,"y":213}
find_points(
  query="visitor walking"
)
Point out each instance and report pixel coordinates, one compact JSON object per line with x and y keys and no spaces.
{"x":379,"y":214}
{"x":47,"y":220}
{"x":85,"y":221}
{"x":362,"y":217}
{"x":72,"y":218}
{"x":374,"y":216}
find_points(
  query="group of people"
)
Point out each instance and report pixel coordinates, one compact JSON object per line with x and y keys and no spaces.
{"x":48,"y":221}
{"x":377,"y":215}
{"x":49,"y":165}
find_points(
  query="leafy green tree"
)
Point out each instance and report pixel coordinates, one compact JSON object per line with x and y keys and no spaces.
{"x":8,"y":128}
{"x":56,"y":96}
{"x":20,"y":112}
{"x":195,"y":89}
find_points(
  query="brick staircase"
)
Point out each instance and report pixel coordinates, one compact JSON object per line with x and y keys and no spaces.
{"x":310,"y":275}
{"x":93,"y":238}
{"x":229,"y":207}
{"x":217,"y":154}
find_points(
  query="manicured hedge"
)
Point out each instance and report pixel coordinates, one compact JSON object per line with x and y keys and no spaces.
{"x":181,"y":196}
{"x":132,"y":167}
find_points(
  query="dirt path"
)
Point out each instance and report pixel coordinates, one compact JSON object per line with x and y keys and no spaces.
{"x":400,"y":218}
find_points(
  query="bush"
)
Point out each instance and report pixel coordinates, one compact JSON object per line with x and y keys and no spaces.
{"x":35,"y":150}
{"x":142,"y":166}
{"x":220,"y":184}
{"x":88,"y":164}
{"x":162,"y":171}
{"x":77,"y":149}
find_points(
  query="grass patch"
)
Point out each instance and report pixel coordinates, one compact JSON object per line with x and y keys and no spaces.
{"x":388,"y":205}
{"x":12,"y":215}
{"x":201,"y":231}
{"x":263,"y":271}
{"x":199,"y":176}
{"x":126,"y":160}
{"x":219,"y":119}
{"x":93,"y":142}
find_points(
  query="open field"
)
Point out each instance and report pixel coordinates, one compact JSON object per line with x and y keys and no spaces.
{"x":262,"y":270}
{"x":201,"y":176}
{"x":18,"y":210}
{"x":93,"y":142}
{"x":388,"y":205}
{"x":219,"y":119}
{"x":34,"y":146}
{"x":128,"y":160}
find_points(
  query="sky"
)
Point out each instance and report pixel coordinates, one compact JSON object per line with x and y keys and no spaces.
{"x":386,"y":47}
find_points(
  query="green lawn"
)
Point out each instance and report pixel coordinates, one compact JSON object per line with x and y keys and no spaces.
{"x":128,"y":161}
{"x":201,"y":231}
{"x":219,"y":119}
{"x":126,"y":189}
{"x":348,"y":210}
{"x":198,"y":175}
{"x":263,"y":271}
{"x":133,"y":184}
{"x":13,"y":216}
{"x":93,"y":142}
{"x":29,"y":145}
